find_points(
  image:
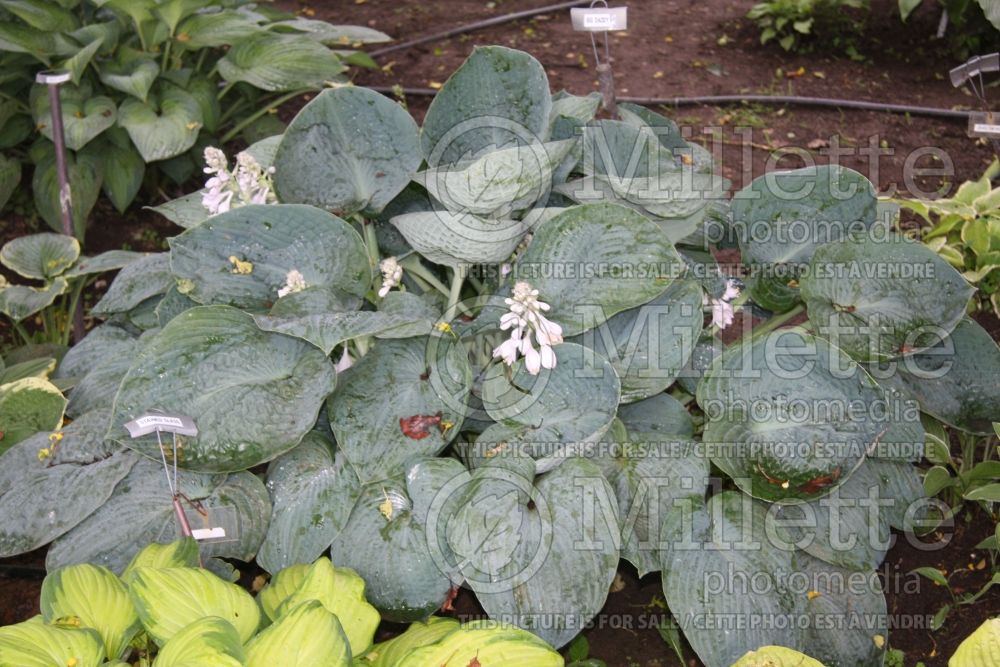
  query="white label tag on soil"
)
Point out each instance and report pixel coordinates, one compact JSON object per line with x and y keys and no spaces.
{"x":599,"y":19}
{"x":984,"y":125}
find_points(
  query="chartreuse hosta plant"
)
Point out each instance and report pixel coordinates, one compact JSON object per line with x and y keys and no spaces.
{"x":152,"y":81}
{"x":524,"y":390}
{"x":167,"y":612}
{"x":965,"y":230}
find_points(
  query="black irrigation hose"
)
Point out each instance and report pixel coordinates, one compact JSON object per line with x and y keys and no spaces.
{"x":665,"y":101}
{"x":760,"y":99}
{"x":479,"y":25}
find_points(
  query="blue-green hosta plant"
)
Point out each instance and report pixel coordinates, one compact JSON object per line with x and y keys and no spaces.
{"x":484,"y":353}
{"x":152,"y":82}
{"x":168,"y":612}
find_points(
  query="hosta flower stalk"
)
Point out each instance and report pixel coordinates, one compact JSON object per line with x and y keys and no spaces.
{"x":248,"y":183}
{"x":525,"y":319}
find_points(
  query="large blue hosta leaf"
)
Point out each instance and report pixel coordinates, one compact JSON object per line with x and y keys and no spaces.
{"x":350,"y":149}
{"x":715,"y":550}
{"x":253,"y":395}
{"x":242,"y":258}
{"x":790,"y":416}
{"x":783,"y":217}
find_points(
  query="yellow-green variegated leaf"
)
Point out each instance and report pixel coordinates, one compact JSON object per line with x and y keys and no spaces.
{"x":342,"y":592}
{"x":207,"y":642}
{"x":181,"y":553}
{"x":96,"y":597}
{"x":37,"y":644}
{"x":306,"y":636}
{"x":27,"y":406}
{"x":21,"y":301}
{"x":981,"y":648}
{"x":776,"y":656}
{"x":490,"y":643}
{"x":40,"y":256}
{"x":169,"y":599}
{"x":419,"y":634}
{"x":281,"y":587}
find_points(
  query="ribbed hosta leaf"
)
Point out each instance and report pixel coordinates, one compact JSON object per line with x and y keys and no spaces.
{"x":350,"y":149}
{"x":277,"y":62}
{"x":146,"y":277}
{"x":133,"y":74}
{"x":459,"y":239}
{"x":35,"y":643}
{"x":27,"y":406}
{"x":19,"y":302}
{"x":316,"y":634}
{"x":208,"y":642}
{"x":253,"y":395}
{"x":40,"y":256}
{"x":164,"y":126}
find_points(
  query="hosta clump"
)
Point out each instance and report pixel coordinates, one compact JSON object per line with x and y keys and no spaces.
{"x":144,"y":87}
{"x":435,"y":455}
{"x":165,"y":606}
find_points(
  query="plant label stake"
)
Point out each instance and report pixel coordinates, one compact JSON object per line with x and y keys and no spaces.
{"x":986,"y":123}
{"x":53,"y":79}
{"x":601,"y":18}
{"x":157,"y":421}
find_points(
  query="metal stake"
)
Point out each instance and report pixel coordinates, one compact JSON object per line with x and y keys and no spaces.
{"x":53,"y":79}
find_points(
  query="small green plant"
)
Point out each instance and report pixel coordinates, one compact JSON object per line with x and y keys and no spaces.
{"x":965,"y":231}
{"x":972,"y":25}
{"x":942,"y":578}
{"x":153,"y":82}
{"x":166,"y":611}
{"x":796,"y":24}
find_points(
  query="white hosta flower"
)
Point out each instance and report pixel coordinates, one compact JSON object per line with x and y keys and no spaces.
{"x":524,"y":320}
{"x":344,"y":363}
{"x":722,"y":309}
{"x":294,"y":282}
{"x":392,"y":273}
{"x":248,"y":183}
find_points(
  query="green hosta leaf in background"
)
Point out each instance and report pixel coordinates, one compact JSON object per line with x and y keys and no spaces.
{"x":419,"y":634}
{"x":34,"y":643}
{"x":144,"y":278}
{"x":312,"y":492}
{"x":182,"y":553}
{"x":778,"y":420}
{"x":86,"y":173}
{"x":253,"y":395}
{"x":957,"y":380}
{"x":649,"y":345}
{"x":596,"y":260}
{"x":488,"y":642}
{"x":402,"y":312}
{"x":123,"y":171}
{"x":212,"y":29}
{"x":20,"y":301}
{"x":269,"y":241}
{"x":991,"y":8}
{"x":331,"y":35}
{"x":110,"y":260}
{"x":131,"y":73}
{"x":169,"y":599}
{"x":84,"y":117}
{"x":404,"y":399}
{"x":549,"y":537}
{"x":140,"y":512}
{"x":41,"y":367}
{"x":18,"y":38}
{"x":573,"y":403}
{"x":206,"y":642}
{"x":99,"y":362}
{"x":385,"y":541}
{"x":459,"y":239}
{"x":342,"y":592}
{"x":42,"y":498}
{"x":498,"y":183}
{"x":277,"y":63}
{"x":882,"y":300}
{"x":350,"y":149}
{"x":10,"y":177}
{"x":48,"y":16}
{"x":27,"y":406}
{"x":776,"y":656}
{"x":496,"y":97}
{"x":164,"y":126}
{"x":981,"y":648}
{"x":95,"y":596}
{"x":306,"y":636}
{"x":40,"y":256}
{"x":709,"y":547}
